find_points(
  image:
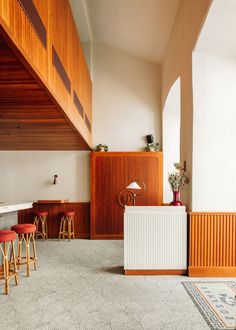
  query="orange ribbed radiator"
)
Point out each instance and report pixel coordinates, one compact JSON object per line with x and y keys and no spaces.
{"x":212,"y":244}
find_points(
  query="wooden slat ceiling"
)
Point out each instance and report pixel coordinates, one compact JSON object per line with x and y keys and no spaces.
{"x":29,"y":118}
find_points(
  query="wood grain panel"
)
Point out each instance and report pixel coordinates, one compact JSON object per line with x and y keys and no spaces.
{"x":212,"y":243}
{"x":29,"y":119}
{"x":57,"y":19}
{"x":110,"y":173}
{"x":35,"y":19}
{"x":82,"y":217}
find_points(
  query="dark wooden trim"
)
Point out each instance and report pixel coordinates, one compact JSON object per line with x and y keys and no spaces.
{"x":87,"y":122}
{"x":196,"y":271}
{"x":101,"y":237}
{"x":34,"y":18}
{"x":60,"y":69}
{"x":77,"y":104}
{"x":155,"y":271}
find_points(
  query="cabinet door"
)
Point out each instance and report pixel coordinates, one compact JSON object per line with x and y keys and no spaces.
{"x":110,"y":179}
{"x":110,"y":174}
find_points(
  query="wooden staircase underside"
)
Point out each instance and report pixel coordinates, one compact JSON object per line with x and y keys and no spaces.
{"x":30,"y":119}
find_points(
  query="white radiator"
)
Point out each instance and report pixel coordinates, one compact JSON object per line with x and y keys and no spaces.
{"x":155,"y":237}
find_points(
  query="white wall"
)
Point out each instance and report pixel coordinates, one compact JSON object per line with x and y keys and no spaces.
{"x":171,"y":137}
{"x":214,"y":133}
{"x":126,"y":99}
{"x":28,"y":175}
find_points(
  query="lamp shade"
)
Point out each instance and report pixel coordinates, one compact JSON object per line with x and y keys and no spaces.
{"x":133,"y":185}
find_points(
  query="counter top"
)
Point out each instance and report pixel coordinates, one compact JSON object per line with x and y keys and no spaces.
{"x":13,"y":207}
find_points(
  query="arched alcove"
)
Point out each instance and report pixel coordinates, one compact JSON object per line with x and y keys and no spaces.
{"x":171,"y":136}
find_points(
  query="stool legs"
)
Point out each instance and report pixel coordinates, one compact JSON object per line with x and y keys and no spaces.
{"x":69,"y":222}
{"x":44,"y":226}
{"x":26,"y":239}
{"x":7,"y":272}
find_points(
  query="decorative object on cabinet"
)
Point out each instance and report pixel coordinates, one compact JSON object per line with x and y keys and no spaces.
{"x":111,"y":172}
{"x":101,"y":147}
{"x":152,"y":147}
{"x":55,"y":180}
{"x":180,"y":166}
{"x":149,"y":138}
{"x":128,"y":195}
{"x":178,"y":181}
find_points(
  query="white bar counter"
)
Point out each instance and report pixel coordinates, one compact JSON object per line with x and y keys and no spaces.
{"x":9,"y":213}
{"x":155,"y":240}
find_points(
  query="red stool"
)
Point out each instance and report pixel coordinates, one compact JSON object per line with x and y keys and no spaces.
{"x":26,"y":232}
{"x":40,"y":221}
{"x":67,"y":225}
{"x":7,"y":238}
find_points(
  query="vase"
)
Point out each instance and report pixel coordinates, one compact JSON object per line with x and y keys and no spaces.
{"x":176,"y":199}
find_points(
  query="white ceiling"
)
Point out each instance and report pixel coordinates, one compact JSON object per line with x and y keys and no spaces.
{"x":218,"y":33}
{"x":139,"y":27}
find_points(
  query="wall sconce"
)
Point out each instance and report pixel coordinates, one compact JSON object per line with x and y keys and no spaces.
{"x":180,"y":166}
{"x":55,"y":180}
{"x":128,"y":195}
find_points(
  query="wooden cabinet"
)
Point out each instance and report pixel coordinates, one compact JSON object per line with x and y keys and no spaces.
{"x":111,"y":172}
{"x":45,"y":35}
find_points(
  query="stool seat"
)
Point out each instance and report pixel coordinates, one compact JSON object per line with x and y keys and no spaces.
{"x":68,"y":214}
{"x":24,"y":228}
{"x":7,"y":235}
{"x":40,"y":214}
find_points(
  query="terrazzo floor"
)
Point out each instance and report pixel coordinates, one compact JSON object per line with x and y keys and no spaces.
{"x":80,"y":285}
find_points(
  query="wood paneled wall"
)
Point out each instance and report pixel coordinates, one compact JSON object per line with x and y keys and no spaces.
{"x":82,"y":217}
{"x":212,"y":244}
{"x":61,"y":35}
{"x":111,"y":172}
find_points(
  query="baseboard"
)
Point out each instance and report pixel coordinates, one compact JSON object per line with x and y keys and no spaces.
{"x":106,"y":236}
{"x":195,"y":271}
{"x":155,"y":271}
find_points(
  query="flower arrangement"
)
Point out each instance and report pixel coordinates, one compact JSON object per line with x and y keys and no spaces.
{"x":152,"y":146}
{"x":178,"y":180}
{"x":101,"y":147}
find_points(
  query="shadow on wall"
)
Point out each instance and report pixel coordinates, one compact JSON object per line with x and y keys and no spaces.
{"x":171,"y":136}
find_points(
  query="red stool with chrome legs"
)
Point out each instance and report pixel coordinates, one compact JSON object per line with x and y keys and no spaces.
{"x":7,"y":238}
{"x":26,"y":233}
{"x":40,"y":221}
{"x":67,"y":227}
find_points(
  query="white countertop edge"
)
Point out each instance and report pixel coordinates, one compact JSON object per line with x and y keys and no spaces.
{"x":154,"y":209}
{"x":12,"y":207}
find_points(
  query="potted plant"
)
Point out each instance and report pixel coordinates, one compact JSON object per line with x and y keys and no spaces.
{"x":101,"y":147}
{"x":178,"y":181}
{"x":152,"y":146}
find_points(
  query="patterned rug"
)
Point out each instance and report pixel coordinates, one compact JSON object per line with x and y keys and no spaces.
{"x":215,"y":301}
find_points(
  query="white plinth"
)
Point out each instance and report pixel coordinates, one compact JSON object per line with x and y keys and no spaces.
{"x":155,"y":240}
